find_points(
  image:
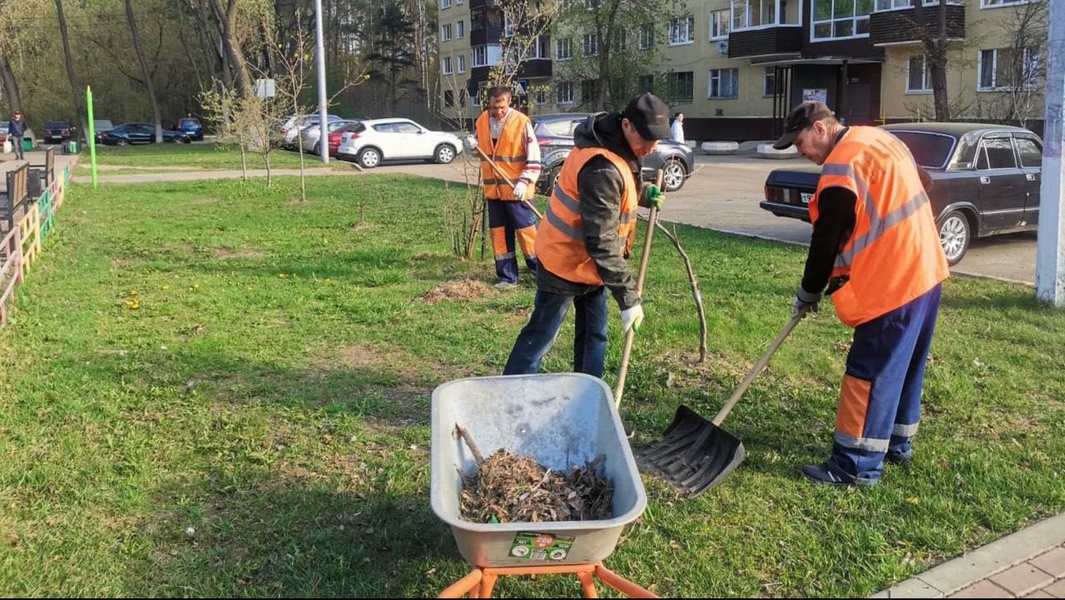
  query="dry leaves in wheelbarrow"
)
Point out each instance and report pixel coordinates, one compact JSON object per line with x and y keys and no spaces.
{"x":515,"y":489}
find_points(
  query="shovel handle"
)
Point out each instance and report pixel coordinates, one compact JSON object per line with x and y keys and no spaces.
{"x":758,"y":366}
{"x":509,"y":181}
{"x":630,"y":335}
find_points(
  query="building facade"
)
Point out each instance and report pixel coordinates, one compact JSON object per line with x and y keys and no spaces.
{"x":735,"y":67}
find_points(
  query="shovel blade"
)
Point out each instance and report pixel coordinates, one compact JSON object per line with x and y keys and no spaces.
{"x":694,"y":454}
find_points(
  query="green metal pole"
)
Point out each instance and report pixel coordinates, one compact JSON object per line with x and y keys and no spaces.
{"x":92,"y":135}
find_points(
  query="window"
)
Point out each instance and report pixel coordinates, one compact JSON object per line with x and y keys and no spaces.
{"x":719,"y":24}
{"x":682,"y":31}
{"x":447,"y":65}
{"x":1002,"y":69}
{"x":588,"y":92}
{"x":449,"y":98}
{"x":840,"y":18}
{"x":591,"y":44}
{"x":445,"y":3}
{"x":647,"y":36}
{"x":541,"y":47}
{"x":996,"y":153}
{"x":406,"y":127}
{"x":461,"y":63}
{"x":681,"y":86}
{"x":646,"y":83}
{"x":919,"y":74}
{"x":771,"y":86}
{"x":883,"y":5}
{"x":461,"y":29}
{"x":564,"y":92}
{"x":754,"y":13}
{"x":991,"y":3}
{"x":445,"y":32}
{"x":563,"y":49}
{"x":724,"y":83}
{"x":1031,"y":152}
{"x":479,"y":56}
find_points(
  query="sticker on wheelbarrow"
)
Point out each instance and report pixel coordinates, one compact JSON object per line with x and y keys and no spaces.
{"x":541,"y":546}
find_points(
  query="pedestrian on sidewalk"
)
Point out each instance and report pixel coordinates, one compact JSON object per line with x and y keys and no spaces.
{"x":587,"y":234}
{"x":16,"y":130}
{"x":678,"y":128}
{"x":875,"y":249}
{"x":506,"y":137}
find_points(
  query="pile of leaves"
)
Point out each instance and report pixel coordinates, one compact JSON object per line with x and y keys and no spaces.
{"x":508,"y":488}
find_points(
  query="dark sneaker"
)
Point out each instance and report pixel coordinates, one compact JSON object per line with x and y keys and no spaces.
{"x":825,"y":474}
{"x":901,"y":458}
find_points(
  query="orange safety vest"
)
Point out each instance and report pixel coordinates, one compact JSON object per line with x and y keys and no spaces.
{"x":560,"y":240}
{"x":508,"y":152}
{"x":893,"y":255}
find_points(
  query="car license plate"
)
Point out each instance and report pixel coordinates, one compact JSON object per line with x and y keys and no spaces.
{"x":806,"y":197}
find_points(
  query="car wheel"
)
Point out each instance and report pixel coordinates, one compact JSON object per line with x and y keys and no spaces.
{"x":955,"y":233}
{"x":549,"y":180}
{"x":317,"y":149}
{"x":369,"y":158}
{"x":673,"y":175}
{"x":175,"y":140}
{"x":120,"y":142}
{"x":445,"y":153}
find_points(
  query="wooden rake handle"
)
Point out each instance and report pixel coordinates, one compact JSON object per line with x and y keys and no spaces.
{"x":503,"y":175}
{"x":758,"y":366}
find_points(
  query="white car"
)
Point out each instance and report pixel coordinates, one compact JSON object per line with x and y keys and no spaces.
{"x":291,"y":128}
{"x":378,"y":140}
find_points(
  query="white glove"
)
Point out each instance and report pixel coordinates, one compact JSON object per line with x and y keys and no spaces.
{"x":632,"y":317}
{"x":519,"y":189}
{"x":470,"y":142}
{"x":805,"y":302}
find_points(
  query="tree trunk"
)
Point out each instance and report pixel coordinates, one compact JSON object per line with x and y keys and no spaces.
{"x":14,"y":98}
{"x":75,"y":92}
{"x":143,"y":60}
{"x":227,"y":26}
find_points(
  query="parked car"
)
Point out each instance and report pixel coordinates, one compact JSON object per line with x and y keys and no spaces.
{"x":334,"y":136}
{"x":311,"y":134}
{"x":99,"y":126}
{"x":191,"y":127}
{"x":554,"y":133}
{"x":985,"y":180}
{"x":140,"y":133}
{"x":378,"y":140}
{"x":3,"y":132}
{"x":57,"y":132}
{"x":293,"y":125}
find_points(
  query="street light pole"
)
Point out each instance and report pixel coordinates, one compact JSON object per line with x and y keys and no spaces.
{"x":323,"y":108}
{"x":1050,"y":245}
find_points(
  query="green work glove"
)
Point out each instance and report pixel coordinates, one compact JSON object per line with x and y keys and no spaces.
{"x":650,"y":195}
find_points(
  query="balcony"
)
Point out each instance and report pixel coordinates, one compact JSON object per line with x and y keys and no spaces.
{"x":535,"y":67}
{"x":475,"y":4}
{"x":480,"y":36}
{"x":765,"y":41}
{"x":904,"y":26}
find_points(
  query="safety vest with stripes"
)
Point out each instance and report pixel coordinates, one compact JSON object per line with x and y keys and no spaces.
{"x":508,"y":152}
{"x":893,"y":255}
{"x":560,"y":240}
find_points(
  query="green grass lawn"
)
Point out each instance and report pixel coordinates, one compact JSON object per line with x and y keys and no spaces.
{"x":115,"y":160}
{"x":211,"y":390}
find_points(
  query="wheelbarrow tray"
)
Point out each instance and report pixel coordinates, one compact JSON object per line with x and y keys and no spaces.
{"x":561,"y":420}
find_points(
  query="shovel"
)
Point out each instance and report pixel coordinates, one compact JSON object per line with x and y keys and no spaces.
{"x":695,"y":454}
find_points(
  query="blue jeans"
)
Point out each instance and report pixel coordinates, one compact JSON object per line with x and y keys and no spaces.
{"x":538,"y":335}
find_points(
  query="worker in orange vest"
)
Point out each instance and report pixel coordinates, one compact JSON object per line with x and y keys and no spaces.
{"x":587,"y":234}
{"x":506,"y":136}
{"x":875,"y":248}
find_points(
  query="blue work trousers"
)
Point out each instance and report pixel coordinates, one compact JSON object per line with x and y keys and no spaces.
{"x":538,"y":335}
{"x":505,"y":220}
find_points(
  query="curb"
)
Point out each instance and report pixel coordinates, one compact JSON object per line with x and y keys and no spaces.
{"x":960,"y":572}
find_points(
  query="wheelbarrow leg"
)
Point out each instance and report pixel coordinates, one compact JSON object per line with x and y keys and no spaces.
{"x":466,"y":585}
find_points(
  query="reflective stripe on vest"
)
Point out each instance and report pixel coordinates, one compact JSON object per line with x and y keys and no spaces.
{"x":508,"y":152}
{"x":893,"y":255}
{"x":560,"y":243}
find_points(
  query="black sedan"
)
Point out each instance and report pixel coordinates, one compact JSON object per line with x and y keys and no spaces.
{"x":985,"y":180}
{"x":554,"y":133}
{"x":57,"y":132}
{"x":140,"y":133}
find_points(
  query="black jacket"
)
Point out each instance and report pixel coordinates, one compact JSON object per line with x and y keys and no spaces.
{"x":16,"y":128}
{"x":600,"y":186}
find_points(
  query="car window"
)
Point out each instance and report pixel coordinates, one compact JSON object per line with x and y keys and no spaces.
{"x":56,"y":125}
{"x":406,"y":128}
{"x":189,"y":123}
{"x":1030,"y":150}
{"x":384,"y":128}
{"x":560,"y":128}
{"x":996,"y":153}
{"x":930,"y":150}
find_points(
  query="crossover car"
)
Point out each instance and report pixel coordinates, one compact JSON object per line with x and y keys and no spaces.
{"x":985,"y":180}
{"x":380,"y":140}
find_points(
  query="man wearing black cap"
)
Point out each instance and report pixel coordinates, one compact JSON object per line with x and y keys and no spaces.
{"x":16,"y":128}
{"x":587,"y":233}
{"x":875,"y":247}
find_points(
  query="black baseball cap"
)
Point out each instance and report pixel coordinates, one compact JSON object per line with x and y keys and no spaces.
{"x":650,"y":116}
{"x":803,"y":116}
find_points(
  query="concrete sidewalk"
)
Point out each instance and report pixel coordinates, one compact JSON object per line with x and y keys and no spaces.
{"x":1026,"y":564}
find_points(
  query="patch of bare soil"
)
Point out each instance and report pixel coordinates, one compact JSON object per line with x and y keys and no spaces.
{"x":225,"y":253}
{"x":465,"y":289}
{"x":507,"y":488}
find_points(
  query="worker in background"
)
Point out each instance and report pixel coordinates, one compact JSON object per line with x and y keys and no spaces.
{"x":875,"y":248}
{"x":587,"y":235}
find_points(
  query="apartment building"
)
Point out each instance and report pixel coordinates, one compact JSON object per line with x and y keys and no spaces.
{"x":735,"y":67}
